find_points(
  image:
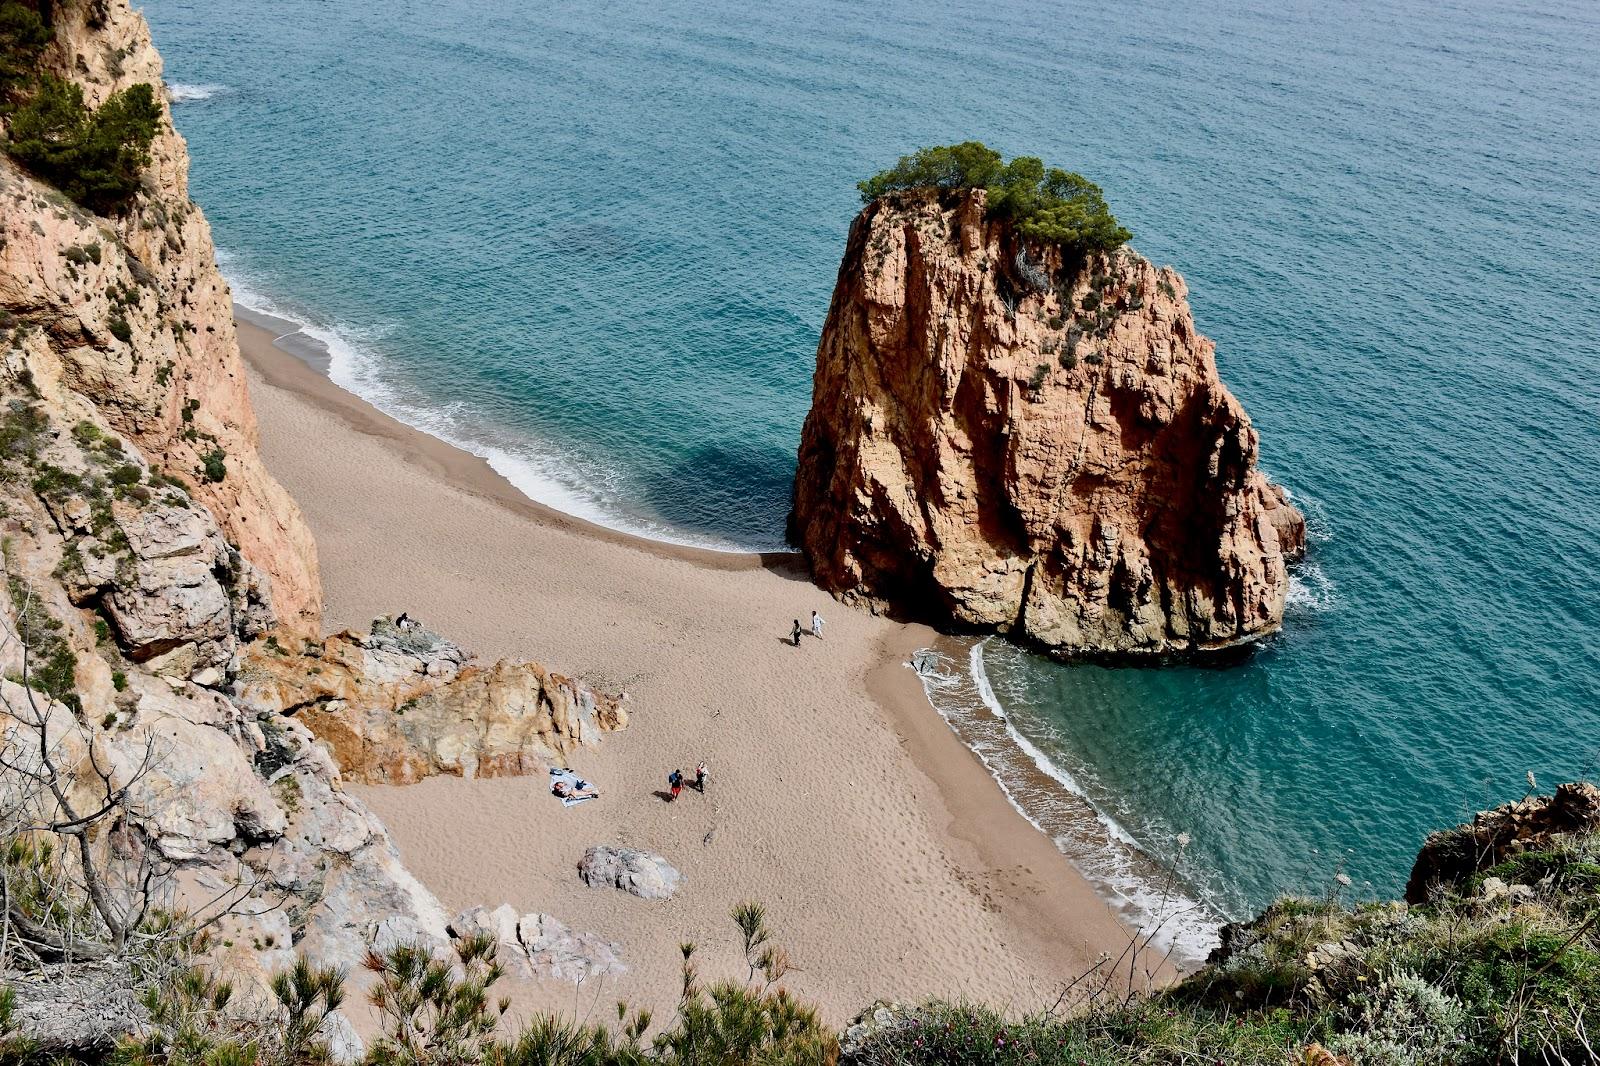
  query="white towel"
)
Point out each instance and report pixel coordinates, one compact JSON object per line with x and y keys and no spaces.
{"x":558,"y":774}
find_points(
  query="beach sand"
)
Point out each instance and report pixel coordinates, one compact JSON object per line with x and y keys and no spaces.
{"x":890,"y":862}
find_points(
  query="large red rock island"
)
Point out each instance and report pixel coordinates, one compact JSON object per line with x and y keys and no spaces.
{"x":1010,"y":437}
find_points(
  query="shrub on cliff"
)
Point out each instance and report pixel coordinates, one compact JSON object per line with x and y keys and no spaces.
{"x":95,"y":157}
{"x":23,"y":35}
{"x":1045,"y":203}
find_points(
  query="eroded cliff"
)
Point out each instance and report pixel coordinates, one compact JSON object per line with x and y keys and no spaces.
{"x":129,"y":311}
{"x":1012,"y":441}
{"x":171,"y":722}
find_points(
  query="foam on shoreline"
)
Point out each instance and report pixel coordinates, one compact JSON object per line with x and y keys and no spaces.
{"x":1146,"y":894}
{"x":347,"y":360}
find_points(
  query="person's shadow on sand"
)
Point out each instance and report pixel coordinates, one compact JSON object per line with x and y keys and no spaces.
{"x":787,"y":643}
{"x":664,"y":797}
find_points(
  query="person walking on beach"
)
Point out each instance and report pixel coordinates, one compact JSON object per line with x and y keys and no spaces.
{"x":797,"y":631}
{"x":816,"y":625}
{"x":675,"y":779}
{"x":700,"y":778}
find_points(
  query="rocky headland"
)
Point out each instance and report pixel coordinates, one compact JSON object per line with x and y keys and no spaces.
{"x":170,"y":715}
{"x":1012,"y":436}
{"x":127,"y":313}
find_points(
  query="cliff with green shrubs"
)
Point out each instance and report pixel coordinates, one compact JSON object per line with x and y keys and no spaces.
{"x":108,"y":282}
{"x":165,"y":794}
{"x":1016,"y":426}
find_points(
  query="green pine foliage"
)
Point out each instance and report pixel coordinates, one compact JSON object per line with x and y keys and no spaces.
{"x":23,"y":36}
{"x":95,"y":157}
{"x":1045,"y":203}
{"x":1485,"y":972}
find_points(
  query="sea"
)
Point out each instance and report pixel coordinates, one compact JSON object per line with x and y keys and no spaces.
{"x":595,"y":243}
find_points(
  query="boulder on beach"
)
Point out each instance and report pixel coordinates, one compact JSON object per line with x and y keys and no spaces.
{"x":537,"y":945}
{"x":642,"y":873}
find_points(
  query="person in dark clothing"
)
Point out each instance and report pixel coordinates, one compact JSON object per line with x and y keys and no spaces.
{"x":700,"y":778}
{"x":675,"y":779}
{"x":797,"y":631}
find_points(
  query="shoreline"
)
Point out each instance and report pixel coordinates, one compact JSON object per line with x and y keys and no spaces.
{"x":870,"y":750}
{"x":293,"y":372}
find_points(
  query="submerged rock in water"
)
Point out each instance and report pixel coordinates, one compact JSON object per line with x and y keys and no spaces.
{"x":1013,"y":439}
{"x":642,"y":873}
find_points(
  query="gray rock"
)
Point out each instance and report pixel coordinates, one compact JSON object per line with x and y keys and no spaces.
{"x":642,"y":873}
{"x":880,"y":1019}
{"x":500,"y":923}
{"x":345,"y":1047}
{"x":190,"y":595}
{"x":405,"y":930}
{"x":77,"y":1009}
{"x":554,"y":950}
{"x":537,"y":945}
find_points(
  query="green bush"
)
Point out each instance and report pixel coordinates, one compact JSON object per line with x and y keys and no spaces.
{"x":1046,"y":203}
{"x":95,"y":157}
{"x":52,"y":664}
{"x":213,"y":466}
{"x":23,"y":35}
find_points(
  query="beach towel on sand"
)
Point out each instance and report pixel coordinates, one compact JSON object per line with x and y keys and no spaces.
{"x":557,"y":774}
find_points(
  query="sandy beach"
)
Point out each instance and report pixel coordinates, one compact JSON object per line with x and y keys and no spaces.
{"x":891,"y":863}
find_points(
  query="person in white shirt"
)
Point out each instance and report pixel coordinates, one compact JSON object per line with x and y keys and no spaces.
{"x":816,"y":625}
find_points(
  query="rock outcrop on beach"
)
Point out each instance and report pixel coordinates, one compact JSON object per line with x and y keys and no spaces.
{"x":129,"y":313}
{"x":1015,"y":441}
{"x":397,"y":705}
{"x":537,"y":945}
{"x":1450,"y":857}
{"x":639,"y":873}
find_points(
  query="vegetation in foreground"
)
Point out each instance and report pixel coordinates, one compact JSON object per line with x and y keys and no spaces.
{"x":1044,"y":203}
{"x":1501,"y":967}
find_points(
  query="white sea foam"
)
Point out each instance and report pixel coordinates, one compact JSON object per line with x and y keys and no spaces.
{"x":1111,"y":857}
{"x":1311,"y":589}
{"x":541,"y":474}
{"x":1319,"y":530}
{"x":184,"y":93}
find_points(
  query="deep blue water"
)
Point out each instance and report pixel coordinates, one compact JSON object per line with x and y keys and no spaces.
{"x":595,"y":241}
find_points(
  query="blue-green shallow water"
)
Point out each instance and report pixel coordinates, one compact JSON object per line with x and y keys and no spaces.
{"x":596,"y":243}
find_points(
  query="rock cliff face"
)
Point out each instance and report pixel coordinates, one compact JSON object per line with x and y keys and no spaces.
{"x":131,"y":314}
{"x":122,"y":628}
{"x":159,"y":648}
{"x":1013,"y":442}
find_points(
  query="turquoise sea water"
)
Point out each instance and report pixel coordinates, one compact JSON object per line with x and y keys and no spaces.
{"x":595,"y":242}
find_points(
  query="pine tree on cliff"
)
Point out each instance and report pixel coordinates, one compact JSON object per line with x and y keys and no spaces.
{"x":1049,"y":204}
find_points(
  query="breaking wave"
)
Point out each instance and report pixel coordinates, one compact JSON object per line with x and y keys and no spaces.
{"x":184,"y":93}
{"x":1149,"y":896}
